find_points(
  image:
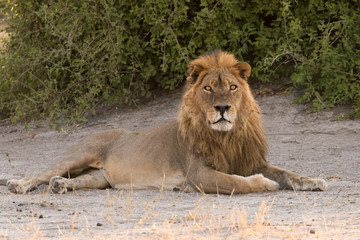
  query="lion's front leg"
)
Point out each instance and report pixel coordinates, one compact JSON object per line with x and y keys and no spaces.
{"x":208,"y":180}
{"x":291,"y":180}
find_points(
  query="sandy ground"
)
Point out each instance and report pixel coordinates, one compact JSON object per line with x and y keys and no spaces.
{"x":311,"y":144}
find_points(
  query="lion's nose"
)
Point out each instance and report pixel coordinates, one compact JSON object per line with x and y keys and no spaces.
{"x":222,"y":108}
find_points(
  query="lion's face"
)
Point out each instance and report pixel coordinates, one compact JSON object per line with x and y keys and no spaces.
{"x":219,"y":96}
{"x":217,"y":87}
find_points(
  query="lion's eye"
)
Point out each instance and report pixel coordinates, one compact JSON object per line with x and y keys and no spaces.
{"x":233,"y":87}
{"x":207,"y":88}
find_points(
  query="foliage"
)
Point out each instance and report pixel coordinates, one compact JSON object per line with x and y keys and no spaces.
{"x":321,"y":40}
{"x":64,"y":57}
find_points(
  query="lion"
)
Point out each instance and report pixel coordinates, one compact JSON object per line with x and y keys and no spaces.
{"x":216,"y":146}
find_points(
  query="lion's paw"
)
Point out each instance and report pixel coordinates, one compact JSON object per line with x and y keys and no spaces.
{"x":271,"y":185}
{"x":259,"y":183}
{"x":15,"y":186}
{"x":308,"y":184}
{"x":58,"y":185}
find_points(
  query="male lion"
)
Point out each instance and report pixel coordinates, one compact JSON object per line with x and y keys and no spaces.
{"x":217,"y":145}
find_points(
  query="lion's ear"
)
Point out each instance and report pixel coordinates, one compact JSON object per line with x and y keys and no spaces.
{"x":194,"y":72}
{"x":244,"y":70}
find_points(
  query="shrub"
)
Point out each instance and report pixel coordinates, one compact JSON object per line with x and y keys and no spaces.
{"x":321,"y":40}
{"x":64,"y":57}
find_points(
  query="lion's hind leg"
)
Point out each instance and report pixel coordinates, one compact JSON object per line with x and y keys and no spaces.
{"x":74,"y":163}
{"x":24,"y":185}
{"x":94,"y":179}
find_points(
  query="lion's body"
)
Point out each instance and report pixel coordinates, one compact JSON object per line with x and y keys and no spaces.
{"x":216,"y":146}
{"x":144,"y":160}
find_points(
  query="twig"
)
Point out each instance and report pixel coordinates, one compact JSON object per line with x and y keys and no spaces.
{"x":177,"y":42}
{"x":63,"y":92}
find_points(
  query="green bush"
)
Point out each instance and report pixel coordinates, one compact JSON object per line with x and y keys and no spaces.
{"x":319,"y":43}
{"x":64,"y":57}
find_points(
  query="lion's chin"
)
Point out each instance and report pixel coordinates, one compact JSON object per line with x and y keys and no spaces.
{"x":222,"y":126}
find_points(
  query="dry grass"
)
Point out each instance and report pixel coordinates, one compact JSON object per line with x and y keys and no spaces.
{"x":134,"y":215}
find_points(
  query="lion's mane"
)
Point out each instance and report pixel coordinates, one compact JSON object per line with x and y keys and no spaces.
{"x":239,"y":151}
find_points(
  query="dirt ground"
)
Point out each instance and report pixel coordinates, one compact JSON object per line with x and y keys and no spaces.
{"x":315,"y":145}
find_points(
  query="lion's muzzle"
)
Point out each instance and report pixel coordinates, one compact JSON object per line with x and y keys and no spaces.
{"x":222,"y":120}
